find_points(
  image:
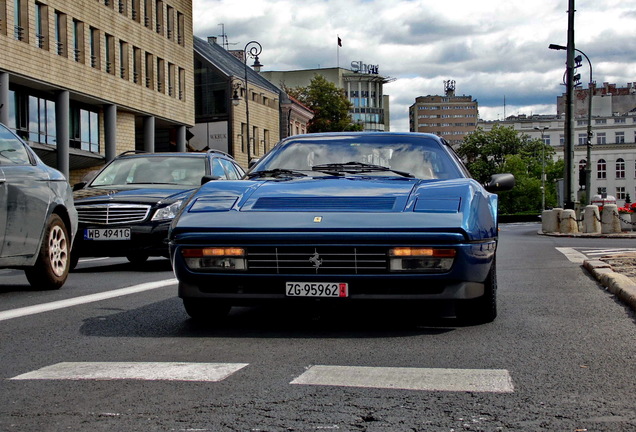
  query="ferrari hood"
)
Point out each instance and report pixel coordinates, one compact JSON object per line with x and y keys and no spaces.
{"x":331,"y":194}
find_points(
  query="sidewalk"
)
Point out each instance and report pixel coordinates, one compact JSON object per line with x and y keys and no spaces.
{"x":617,"y":273}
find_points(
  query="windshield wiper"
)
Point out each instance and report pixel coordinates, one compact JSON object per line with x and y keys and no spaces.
{"x":276,"y":172}
{"x":355,"y":168}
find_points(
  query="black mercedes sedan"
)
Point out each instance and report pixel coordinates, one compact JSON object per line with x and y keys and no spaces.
{"x":127,"y":208}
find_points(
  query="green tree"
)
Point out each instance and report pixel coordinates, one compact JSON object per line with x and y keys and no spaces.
{"x":329,"y":104}
{"x":503,"y":149}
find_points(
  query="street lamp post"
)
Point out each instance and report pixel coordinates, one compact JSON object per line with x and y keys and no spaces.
{"x":590,"y":90}
{"x":253,"y":50}
{"x":542,"y":130}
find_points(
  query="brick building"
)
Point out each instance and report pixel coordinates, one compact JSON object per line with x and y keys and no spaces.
{"x":449,"y":116}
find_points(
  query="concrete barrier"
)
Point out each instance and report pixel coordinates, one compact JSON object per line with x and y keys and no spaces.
{"x":609,"y":219}
{"x":568,"y":224}
{"x":550,"y":220}
{"x":591,"y":220}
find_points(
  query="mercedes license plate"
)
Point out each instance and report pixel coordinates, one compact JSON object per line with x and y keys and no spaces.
{"x":107,"y":234}
{"x":316,"y":289}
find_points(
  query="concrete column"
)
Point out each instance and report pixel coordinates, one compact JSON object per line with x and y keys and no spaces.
{"x":62,"y":110}
{"x":181,"y":139}
{"x":4,"y":98}
{"x":591,"y":220}
{"x":149,"y":134}
{"x":569,"y":225}
{"x":110,"y":132}
{"x":609,"y":219}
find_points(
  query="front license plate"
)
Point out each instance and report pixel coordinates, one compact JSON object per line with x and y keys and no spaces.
{"x":107,"y":234}
{"x":316,"y":289}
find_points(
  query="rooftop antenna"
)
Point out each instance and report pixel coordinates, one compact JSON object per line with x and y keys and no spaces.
{"x":224,"y":43}
{"x":223,"y":36}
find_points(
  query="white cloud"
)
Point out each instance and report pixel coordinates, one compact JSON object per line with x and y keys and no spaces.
{"x":490,"y":48}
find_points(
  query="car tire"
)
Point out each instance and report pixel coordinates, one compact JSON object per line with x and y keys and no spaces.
{"x":206,"y":310}
{"x":54,"y":259}
{"x":482,"y":309}
{"x":138,"y":258}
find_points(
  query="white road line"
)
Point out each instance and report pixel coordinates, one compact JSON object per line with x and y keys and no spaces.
{"x":572,"y":254}
{"x":456,"y":380}
{"x":168,"y":371}
{"x":45,"y":307}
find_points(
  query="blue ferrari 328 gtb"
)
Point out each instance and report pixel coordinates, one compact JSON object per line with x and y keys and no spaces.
{"x":343,"y":217}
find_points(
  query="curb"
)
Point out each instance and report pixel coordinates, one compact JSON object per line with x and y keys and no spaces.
{"x":619,"y":285}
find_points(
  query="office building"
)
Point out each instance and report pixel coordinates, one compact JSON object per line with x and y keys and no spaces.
{"x":84,"y":80}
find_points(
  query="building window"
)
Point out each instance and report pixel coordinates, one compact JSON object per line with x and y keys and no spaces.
{"x":582,"y":164}
{"x":171,"y":79}
{"x":110,"y":54}
{"x":619,"y":120}
{"x":161,"y":75}
{"x":620,"y":168}
{"x":136,"y":65}
{"x":601,"y":169}
{"x":3,"y":17}
{"x":600,"y":121}
{"x":41,"y":25}
{"x":41,"y":123}
{"x":620,"y":192}
{"x":78,"y":41}
{"x":620,"y":137}
{"x":84,"y":129}
{"x":21,"y":20}
{"x":561,"y":140}
{"x":123,"y":7}
{"x":95,"y":48}
{"x":135,"y":11}
{"x":124,"y":66}
{"x":180,"y":28}
{"x":600,"y":138}
{"x":170,"y":22}
{"x":148,"y":13}
{"x":582,"y":138}
{"x":159,"y":16}
{"x":602,"y":191}
{"x":61,"y":41}
{"x":150,"y":71}
{"x":182,"y":78}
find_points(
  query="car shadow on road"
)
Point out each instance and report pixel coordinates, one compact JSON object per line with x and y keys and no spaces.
{"x":150,"y":266}
{"x":168,"y":319}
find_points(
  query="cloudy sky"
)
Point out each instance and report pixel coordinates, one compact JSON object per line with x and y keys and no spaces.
{"x":494,"y":50}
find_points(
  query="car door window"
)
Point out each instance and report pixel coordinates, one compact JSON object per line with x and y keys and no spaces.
{"x":12,"y":150}
{"x":232,"y":173}
{"x":217,"y":169}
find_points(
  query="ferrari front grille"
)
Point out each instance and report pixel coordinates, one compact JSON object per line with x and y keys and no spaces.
{"x":317,"y":260}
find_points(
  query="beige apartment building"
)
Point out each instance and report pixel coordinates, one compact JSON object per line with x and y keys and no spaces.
{"x":449,"y":116}
{"x":84,"y":80}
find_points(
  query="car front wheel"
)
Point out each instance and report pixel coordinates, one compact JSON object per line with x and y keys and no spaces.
{"x":206,"y":310}
{"x":53,"y":263}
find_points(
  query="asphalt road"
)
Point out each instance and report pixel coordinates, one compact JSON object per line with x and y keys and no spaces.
{"x":560,"y":356}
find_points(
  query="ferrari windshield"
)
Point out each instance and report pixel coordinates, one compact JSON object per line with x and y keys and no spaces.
{"x":368,"y":155}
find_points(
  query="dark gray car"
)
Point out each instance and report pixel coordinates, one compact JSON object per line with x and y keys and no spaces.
{"x":38,"y":220}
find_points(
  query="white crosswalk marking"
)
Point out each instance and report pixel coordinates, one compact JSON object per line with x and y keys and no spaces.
{"x":209,"y":372}
{"x":458,"y":380}
{"x":578,"y":255}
